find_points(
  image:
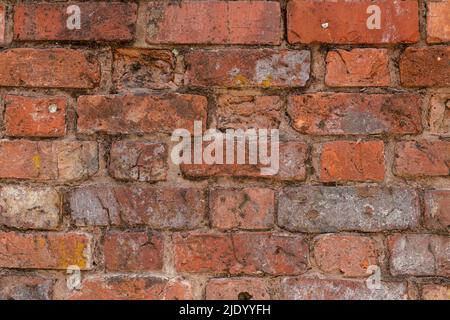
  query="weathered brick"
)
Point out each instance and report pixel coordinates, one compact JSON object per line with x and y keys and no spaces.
{"x":303,"y":288}
{"x":214,"y":22}
{"x":248,"y":68}
{"x":140,"y":113}
{"x":347,"y":255}
{"x":132,"y":288}
{"x":248,"y":208}
{"x":25,"y":287}
{"x":2,"y":23}
{"x":422,"y":158}
{"x":30,"y":208}
{"x":158,"y":208}
{"x":330,"y":209}
{"x":35,"y":117}
{"x":342,"y":21}
{"x":237,"y":289}
{"x":436,"y":292}
{"x":419,"y":255}
{"x":358,"y":68}
{"x":45,"y":250}
{"x":352,"y":161}
{"x":292,"y":157}
{"x":44,"y":160}
{"x":439,"y":114}
{"x":48,"y":68}
{"x":99,"y":21}
{"x":133,"y":251}
{"x":352,"y":113}
{"x":247,"y":253}
{"x":248,"y":111}
{"x":437,"y":209}
{"x":143,"y":68}
{"x":141,"y":161}
{"x":425,"y":67}
{"x":438,"y":25}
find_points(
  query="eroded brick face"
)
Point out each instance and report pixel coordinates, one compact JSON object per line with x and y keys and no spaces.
{"x":99,"y":101}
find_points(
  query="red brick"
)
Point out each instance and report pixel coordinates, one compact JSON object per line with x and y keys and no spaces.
{"x":137,"y":114}
{"x":44,"y":160}
{"x":425,"y":67}
{"x":48,"y":68}
{"x":99,"y":21}
{"x":141,"y":161}
{"x":2,"y":23}
{"x":358,"y":68}
{"x":248,"y":208}
{"x":214,"y":22}
{"x":35,"y":117}
{"x":143,"y":68}
{"x":30,"y":208}
{"x":133,"y":251}
{"x":341,"y":21}
{"x":247,"y":253}
{"x":438,"y":24}
{"x":347,"y":255}
{"x":237,"y":289}
{"x":248,"y":68}
{"x":25,"y":287}
{"x":352,"y":161}
{"x":157,"y":208}
{"x":439,"y":114}
{"x":305,"y":288}
{"x":132,"y":288}
{"x":248,"y":111}
{"x":436,"y":292}
{"x":353,"y":113}
{"x":422,"y":158}
{"x":437,"y":209}
{"x":45,"y":250}
{"x":292,"y":157}
{"x":419,"y":255}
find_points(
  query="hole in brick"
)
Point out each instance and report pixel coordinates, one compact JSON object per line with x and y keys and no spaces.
{"x":244,"y":296}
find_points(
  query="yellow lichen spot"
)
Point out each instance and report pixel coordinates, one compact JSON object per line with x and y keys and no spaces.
{"x":71,"y":257}
{"x":267,"y":81}
{"x":37,"y":162}
{"x":240,"y":79}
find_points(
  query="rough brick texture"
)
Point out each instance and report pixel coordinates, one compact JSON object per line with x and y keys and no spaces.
{"x":358,"y":68}
{"x":48,"y":68}
{"x":358,"y":114}
{"x":352,"y":161}
{"x":100,"y":100}
{"x":248,"y":68}
{"x":57,"y":21}
{"x":214,"y":22}
{"x":329,"y":21}
{"x":35,"y":117}
{"x":438,"y":26}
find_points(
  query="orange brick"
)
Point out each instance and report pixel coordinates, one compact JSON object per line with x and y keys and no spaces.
{"x":352,"y":161}
{"x":342,"y":21}
{"x":358,"y":68}
{"x":35,"y":117}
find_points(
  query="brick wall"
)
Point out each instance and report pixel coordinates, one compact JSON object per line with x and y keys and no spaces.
{"x":91,"y":91}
